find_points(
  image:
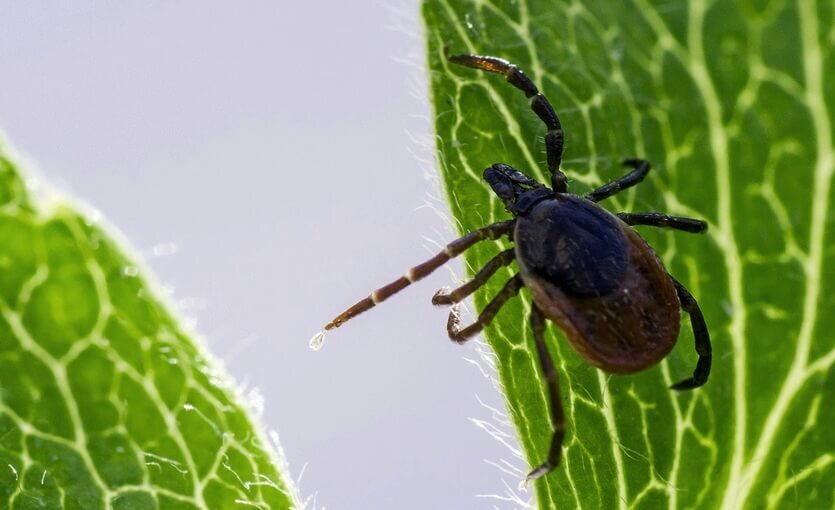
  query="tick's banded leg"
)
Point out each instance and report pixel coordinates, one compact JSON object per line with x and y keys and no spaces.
{"x":662,"y":220}
{"x":640,"y":170}
{"x":701,"y":335}
{"x":414,"y":274}
{"x":443,"y":297}
{"x":510,"y":289}
{"x":539,"y":104}
{"x":554,"y":397}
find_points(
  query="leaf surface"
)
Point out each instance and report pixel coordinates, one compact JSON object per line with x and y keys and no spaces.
{"x":733,"y":103}
{"x":105,"y":400}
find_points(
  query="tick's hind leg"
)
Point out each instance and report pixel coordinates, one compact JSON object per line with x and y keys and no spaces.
{"x":664,"y":221}
{"x":555,"y":400}
{"x":539,"y":104}
{"x":443,"y":297}
{"x":456,"y":334}
{"x":702,"y":337}
{"x":640,"y":169}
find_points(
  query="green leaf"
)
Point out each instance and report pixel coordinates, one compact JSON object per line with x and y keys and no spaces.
{"x":105,"y":401}
{"x":733,"y":103}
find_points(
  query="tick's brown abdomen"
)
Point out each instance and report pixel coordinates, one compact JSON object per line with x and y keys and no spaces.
{"x":627,"y":317}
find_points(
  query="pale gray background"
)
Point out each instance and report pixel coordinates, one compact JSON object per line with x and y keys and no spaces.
{"x":281,"y":149}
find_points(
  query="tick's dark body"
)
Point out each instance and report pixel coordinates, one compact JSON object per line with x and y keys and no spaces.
{"x":592,"y":274}
{"x":587,"y":269}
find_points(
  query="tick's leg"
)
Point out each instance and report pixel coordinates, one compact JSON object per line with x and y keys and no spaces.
{"x":443,"y":297}
{"x":702,"y":337}
{"x":539,"y":104}
{"x":414,"y":274}
{"x":640,"y":169}
{"x":662,"y":220}
{"x":555,"y":401}
{"x":510,"y":289}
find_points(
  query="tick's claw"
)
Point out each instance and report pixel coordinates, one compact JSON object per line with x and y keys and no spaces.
{"x":441,"y":297}
{"x":687,"y":384}
{"x":542,"y":470}
{"x":454,"y":318}
{"x":447,"y":46}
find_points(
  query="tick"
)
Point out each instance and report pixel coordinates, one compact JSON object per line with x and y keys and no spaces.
{"x":587,"y":269}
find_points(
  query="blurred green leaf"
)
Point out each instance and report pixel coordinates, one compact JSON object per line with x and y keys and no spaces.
{"x":734,"y":103}
{"x":105,"y":402}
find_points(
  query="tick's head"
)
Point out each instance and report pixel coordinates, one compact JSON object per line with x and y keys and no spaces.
{"x":518,"y":191}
